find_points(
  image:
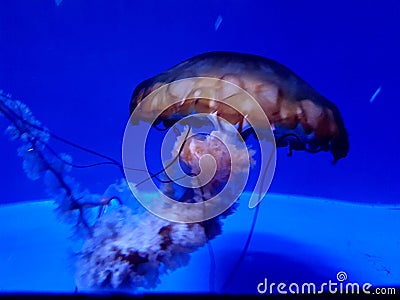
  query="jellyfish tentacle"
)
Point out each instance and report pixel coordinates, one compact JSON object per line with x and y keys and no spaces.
{"x":24,"y":125}
{"x":236,"y":267}
{"x":290,"y":150}
{"x":299,"y":144}
{"x":170,"y":164}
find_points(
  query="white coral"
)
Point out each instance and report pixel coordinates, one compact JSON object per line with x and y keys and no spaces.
{"x":131,"y":250}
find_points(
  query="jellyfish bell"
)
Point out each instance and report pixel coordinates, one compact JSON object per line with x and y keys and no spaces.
{"x":301,"y":117}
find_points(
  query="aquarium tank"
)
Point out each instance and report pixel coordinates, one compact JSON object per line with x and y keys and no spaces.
{"x":215,"y":148}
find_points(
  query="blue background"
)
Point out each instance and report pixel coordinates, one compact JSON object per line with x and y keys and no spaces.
{"x":75,"y":65}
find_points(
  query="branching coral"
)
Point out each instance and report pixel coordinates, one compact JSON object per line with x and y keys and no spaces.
{"x":41,"y":161}
{"x":124,"y":246}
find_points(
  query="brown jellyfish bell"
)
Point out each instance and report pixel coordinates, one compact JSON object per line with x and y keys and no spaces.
{"x":302,"y":119}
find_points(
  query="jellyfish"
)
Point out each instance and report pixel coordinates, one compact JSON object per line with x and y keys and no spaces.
{"x":301,"y":118}
{"x":221,"y":85}
{"x":206,"y":107}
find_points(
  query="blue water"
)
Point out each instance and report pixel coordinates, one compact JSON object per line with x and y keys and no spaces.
{"x":76,"y":64}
